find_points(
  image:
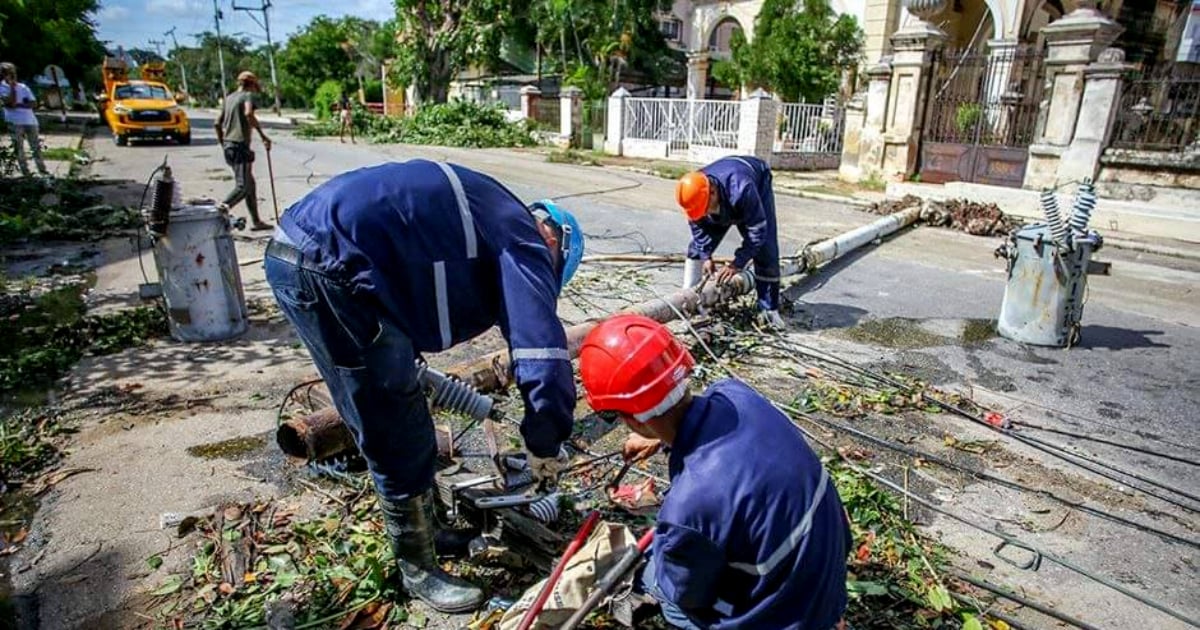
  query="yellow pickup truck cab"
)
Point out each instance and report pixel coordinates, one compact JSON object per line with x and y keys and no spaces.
{"x":143,"y":109}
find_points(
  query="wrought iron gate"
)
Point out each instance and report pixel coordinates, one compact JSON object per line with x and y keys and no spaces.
{"x":981,"y":116}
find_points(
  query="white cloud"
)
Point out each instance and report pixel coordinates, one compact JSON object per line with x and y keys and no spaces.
{"x":112,"y":12}
{"x":175,"y":7}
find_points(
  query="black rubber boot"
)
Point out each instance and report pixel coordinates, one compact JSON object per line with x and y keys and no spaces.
{"x":411,"y":527}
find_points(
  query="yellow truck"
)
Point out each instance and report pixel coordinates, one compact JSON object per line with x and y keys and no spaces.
{"x":141,"y":109}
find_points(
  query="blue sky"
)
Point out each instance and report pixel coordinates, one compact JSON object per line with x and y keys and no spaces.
{"x":132,"y":23}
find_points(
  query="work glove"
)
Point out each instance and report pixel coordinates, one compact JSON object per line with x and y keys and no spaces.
{"x":546,"y":469}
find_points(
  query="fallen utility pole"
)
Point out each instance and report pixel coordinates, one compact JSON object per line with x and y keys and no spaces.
{"x":492,"y":372}
{"x":321,"y":435}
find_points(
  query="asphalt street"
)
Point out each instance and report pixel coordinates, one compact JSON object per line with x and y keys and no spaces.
{"x":1134,"y":379}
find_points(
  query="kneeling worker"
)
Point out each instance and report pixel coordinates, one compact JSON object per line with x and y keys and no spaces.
{"x":733,"y":191}
{"x":752,"y":533}
{"x":380,"y":264}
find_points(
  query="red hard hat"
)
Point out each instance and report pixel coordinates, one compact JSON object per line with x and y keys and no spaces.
{"x":691,"y":193}
{"x":634,"y":365}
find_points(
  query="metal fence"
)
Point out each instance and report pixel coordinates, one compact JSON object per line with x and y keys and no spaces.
{"x":1160,"y":110}
{"x":549,"y":113}
{"x":809,"y":128}
{"x":987,"y":98}
{"x":682,"y":123}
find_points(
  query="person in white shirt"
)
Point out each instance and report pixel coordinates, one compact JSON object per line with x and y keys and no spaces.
{"x":18,"y":113}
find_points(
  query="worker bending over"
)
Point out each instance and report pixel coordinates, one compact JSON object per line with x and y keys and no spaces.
{"x":752,"y":533}
{"x":380,"y":264}
{"x":733,"y":191}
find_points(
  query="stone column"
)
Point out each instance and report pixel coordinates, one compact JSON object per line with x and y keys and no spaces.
{"x":569,"y":116}
{"x":530,"y":95}
{"x":1097,"y":114}
{"x":616,"y":122}
{"x":852,"y":137}
{"x":697,"y":75}
{"x":912,"y":61}
{"x":1072,"y":43}
{"x":756,"y":126}
{"x":870,"y":142}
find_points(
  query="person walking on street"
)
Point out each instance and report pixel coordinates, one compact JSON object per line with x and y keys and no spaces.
{"x":381,"y":264}
{"x":733,"y":191}
{"x":752,"y":533}
{"x":346,"y":115}
{"x":233,"y":126}
{"x":18,"y":114}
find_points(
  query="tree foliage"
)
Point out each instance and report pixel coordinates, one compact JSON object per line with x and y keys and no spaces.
{"x":438,"y":39}
{"x":328,"y":49}
{"x":34,"y":34}
{"x":597,"y":41}
{"x":203,"y":65}
{"x":798,"y":52}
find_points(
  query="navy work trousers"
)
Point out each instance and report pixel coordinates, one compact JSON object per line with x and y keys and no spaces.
{"x":369,"y":366}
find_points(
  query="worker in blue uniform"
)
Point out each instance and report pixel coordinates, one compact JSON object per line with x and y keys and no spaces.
{"x":381,"y":264}
{"x":752,"y":533}
{"x":733,"y":191}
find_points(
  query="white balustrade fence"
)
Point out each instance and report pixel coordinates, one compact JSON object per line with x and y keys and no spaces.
{"x":809,"y":128}
{"x":682,"y":123}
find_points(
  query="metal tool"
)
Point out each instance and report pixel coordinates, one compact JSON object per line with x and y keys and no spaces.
{"x":616,"y":482}
{"x":543,"y":507}
{"x":271,"y":176}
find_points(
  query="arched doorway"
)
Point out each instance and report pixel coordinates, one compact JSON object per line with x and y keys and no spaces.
{"x":719,"y":45}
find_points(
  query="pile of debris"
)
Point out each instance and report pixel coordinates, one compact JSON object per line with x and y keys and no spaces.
{"x":979,"y":219}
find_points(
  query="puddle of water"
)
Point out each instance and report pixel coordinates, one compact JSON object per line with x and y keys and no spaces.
{"x":235,"y":448}
{"x":904,"y":333}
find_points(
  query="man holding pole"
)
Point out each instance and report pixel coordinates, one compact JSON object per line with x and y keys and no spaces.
{"x":752,"y":533}
{"x":233,"y":126}
{"x":733,"y":191}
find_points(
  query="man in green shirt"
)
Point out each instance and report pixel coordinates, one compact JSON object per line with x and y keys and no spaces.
{"x":233,"y":126}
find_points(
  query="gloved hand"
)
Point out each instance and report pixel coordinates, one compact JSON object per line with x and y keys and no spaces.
{"x":546,"y":469}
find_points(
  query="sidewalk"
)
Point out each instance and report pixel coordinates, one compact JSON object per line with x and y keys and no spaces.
{"x":267,"y":118}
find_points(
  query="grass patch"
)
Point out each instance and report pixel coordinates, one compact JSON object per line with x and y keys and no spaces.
{"x":822,"y":189}
{"x":61,"y":153}
{"x":572,"y":156}
{"x":873,"y":183}
{"x":670,"y":171}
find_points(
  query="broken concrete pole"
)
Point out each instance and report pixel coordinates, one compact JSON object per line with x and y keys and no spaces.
{"x":317,"y":436}
{"x":322,"y":434}
{"x":493,"y":371}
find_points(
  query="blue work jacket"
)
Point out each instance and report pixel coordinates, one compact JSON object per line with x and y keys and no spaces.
{"x":447,"y":253}
{"x":752,"y":533}
{"x":746,"y":200}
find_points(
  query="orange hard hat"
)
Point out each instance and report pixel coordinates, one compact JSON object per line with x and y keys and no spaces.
{"x":633,"y":365}
{"x":692,"y":195}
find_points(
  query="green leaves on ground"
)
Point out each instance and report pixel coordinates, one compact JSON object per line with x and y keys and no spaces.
{"x":455,"y":124}
{"x":58,"y":209}
{"x":50,"y":332}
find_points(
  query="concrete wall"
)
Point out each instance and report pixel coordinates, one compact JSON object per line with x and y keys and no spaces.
{"x":1159,"y":178}
{"x":805,"y":161}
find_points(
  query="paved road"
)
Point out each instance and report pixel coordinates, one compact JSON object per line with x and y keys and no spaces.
{"x":1135,"y":378}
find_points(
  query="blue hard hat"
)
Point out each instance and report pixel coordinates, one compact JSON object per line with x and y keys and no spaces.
{"x":572,"y":237}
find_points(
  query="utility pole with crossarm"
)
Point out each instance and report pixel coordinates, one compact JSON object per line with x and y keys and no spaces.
{"x":266,"y":26}
{"x":178,"y":60}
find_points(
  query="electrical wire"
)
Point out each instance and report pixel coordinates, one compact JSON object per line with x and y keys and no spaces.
{"x":1024,"y":601}
{"x":1098,"y":440}
{"x":1058,"y":451}
{"x":928,"y":457}
{"x":602,"y":191}
{"x":141,"y":208}
{"x":1011,"y":540}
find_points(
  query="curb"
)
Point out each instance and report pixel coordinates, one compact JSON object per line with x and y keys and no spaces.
{"x":804,"y":194}
{"x":1151,"y":248}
